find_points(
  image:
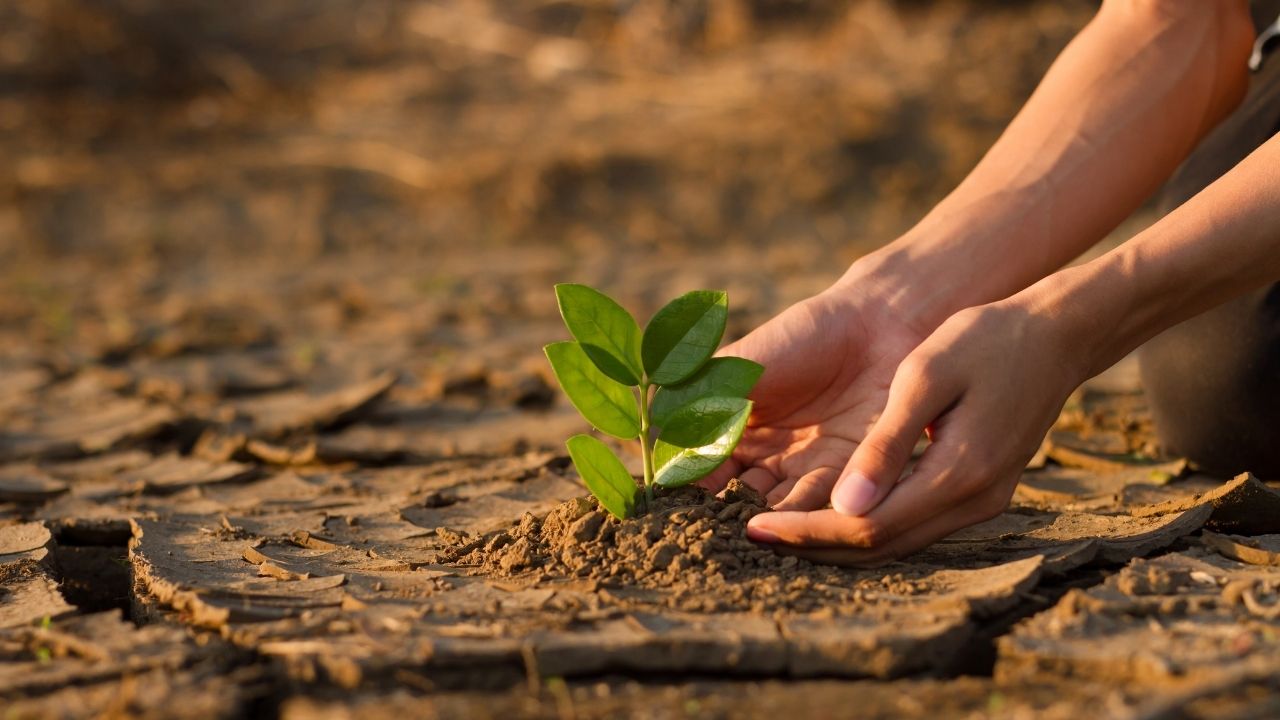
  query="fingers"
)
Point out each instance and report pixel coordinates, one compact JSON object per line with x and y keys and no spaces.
{"x":958,"y":482}
{"x":911,"y":541}
{"x":916,"y":501}
{"x":779,"y":493}
{"x":811,"y":491}
{"x":716,"y":481}
{"x":987,"y":412}
{"x":816,"y":529}
{"x":759,"y":479}
{"x":830,"y":538}
{"x":920,"y":393}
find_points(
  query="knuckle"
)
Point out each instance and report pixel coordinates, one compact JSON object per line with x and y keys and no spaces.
{"x":891,"y":550}
{"x":978,"y":462}
{"x":969,"y":485}
{"x":920,"y":378}
{"x":929,"y":363}
{"x":963,"y":320}
{"x":990,"y":505}
{"x":982,"y":321}
{"x":917,"y":369}
{"x":983,"y":314}
{"x":888,"y":449}
{"x":874,"y":536}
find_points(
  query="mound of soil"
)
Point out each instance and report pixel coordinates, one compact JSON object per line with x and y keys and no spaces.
{"x":689,"y":543}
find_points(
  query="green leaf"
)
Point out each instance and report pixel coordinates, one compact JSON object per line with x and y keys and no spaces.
{"x":677,"y":466}
{"x":604,"y":474}
{"x":608,"y":405}
{"x":682,"y":335}
{"x":702,"y":421}
{"x":607,"y":332}
{"x":724,"y":377}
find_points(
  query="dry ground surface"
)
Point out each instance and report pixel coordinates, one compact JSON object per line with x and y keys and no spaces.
{"x":276,"y":438}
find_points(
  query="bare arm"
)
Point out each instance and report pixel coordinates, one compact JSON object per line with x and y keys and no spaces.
{"x":1120,"y":108}
{"x":1123,"y":105}
{"x":992,"y":379}
{"x":955,"y":325}
{"x":1222,"y":243}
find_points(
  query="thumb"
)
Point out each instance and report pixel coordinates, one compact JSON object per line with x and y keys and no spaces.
{"x":875,"y":466}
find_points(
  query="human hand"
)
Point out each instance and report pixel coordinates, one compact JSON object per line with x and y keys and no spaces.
{"x":828,"y":363}
{"x":987,"y":385}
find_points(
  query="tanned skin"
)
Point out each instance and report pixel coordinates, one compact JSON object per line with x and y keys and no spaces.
{"x":966,"y":325}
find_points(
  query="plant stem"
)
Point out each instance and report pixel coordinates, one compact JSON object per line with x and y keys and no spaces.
{"x":646,"y":451}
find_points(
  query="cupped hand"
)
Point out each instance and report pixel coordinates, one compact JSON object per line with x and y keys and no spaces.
{"x":986,"y":385}
{"x":829,"y":361}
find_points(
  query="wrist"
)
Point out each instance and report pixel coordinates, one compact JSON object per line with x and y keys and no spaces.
{"x":887,"y":287}
{"x":924,"y":277}
{"x":1094,"y":313}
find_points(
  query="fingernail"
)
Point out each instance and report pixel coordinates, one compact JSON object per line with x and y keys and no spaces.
{"x":760,"y":535}
{"x":853,"y":494}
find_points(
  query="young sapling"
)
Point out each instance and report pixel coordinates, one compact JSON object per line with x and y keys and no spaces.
{"x":660,"y":386}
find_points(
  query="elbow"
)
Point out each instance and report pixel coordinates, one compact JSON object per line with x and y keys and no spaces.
{"x":1233,"y":44}
{"x":1223,"y":35}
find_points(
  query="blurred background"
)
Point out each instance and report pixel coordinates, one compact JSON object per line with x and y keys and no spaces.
{"x":307,"y":127}
{"x":352,"y":183}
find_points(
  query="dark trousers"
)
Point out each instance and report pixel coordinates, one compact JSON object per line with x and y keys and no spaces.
{"x":1213,"y":382}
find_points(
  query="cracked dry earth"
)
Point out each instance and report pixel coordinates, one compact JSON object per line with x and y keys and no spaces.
{"x":234,"y":508}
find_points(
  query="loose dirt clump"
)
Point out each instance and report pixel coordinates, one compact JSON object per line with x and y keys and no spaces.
{"x":690,"y":544}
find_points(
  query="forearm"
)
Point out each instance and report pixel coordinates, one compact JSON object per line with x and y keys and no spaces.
{"x":1115,"y":114}
{"x":1222,"y":243}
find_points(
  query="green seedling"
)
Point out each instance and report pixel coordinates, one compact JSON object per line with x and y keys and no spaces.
{"x":44,"y":654}
{"x":660,"y":386}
